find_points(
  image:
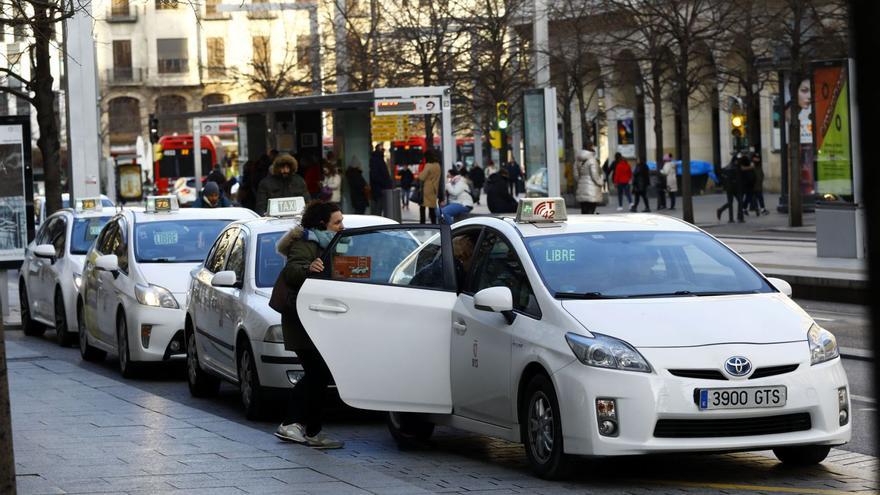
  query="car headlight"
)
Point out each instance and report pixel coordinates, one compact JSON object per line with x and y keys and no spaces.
{"x":603,"y":351}
{"x":274,"y":334}
{"x":77,"y":280}
{"x":823,"y":345}
{"x":154,"y":295}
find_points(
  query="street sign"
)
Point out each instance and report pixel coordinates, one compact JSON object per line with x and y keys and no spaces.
{"x":219,"y":125}
{"x":390,"y":127}
{"x":407,"y":106}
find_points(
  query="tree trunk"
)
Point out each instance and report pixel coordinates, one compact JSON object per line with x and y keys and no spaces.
{"x":44,"y":101}
{"x":657,"y":97}
{"x":568,"y":136}
{"x":7,"y":459}
{"x":586,"y":135}
{"x":795,"y":209}
{"x":687,"y":203}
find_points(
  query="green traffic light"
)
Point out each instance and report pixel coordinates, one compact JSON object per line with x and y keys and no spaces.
{"x":502,"y":124}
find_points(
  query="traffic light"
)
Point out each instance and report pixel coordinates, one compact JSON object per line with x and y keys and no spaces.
{"x":154,"y":129}
{"x":738,"y":125}
{"x":502,"y":114}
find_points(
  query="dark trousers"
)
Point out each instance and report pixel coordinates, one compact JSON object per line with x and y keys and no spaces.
{"x":307,"y":397}
{"x":661,"y":198}
{"x":376,"y":206}
{"x":404,"y":196}
{"x":731,"y":196}
{"x":671,"y":195}
{"x":643,"y":195}
{"x":621,"y":190}
{"x":588,"y":208}
{"x":431,"y":211}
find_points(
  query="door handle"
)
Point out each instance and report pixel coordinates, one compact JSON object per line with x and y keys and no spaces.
{"x":459,"y":327}
{"x":328,"y":308}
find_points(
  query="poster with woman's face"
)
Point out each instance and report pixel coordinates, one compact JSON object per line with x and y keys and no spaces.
{"x":802,"y":110}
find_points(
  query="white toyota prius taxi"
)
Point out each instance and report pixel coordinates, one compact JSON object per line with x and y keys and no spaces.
{"x":135,"y":280}
{"x":599,"y":335}
{"x":51,"y":273}
{"x":231,"y":332}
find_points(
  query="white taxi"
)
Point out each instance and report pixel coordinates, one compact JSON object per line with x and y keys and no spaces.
{"x":135,"y":280}
{"x":231,"y":332}
{"x":601,"y":335}
{"x":52,"y":269}
{"x":40,"y":205}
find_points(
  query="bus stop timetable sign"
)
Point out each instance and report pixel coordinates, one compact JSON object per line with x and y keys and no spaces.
{"x":407,"y":106}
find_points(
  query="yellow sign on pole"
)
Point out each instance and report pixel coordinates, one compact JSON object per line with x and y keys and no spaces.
{"x":390,"y":127}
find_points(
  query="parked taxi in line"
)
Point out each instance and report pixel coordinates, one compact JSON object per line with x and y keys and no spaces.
{"x":231,"y":332}
{"x":51,"y":273}
{"x":599,"y":335}
{"x":134,"y":282}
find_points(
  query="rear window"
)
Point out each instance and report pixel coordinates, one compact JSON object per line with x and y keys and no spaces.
{"x":175,"y":241}
{"x":269,"y":262}
{"x":85,"y":230}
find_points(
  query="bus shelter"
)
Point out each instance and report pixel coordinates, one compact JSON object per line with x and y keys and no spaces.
{"x":295,"y":125}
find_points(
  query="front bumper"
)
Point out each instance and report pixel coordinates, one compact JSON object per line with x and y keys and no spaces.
{"x":164,"y":325}
{"x":276,"y":366}
{"x":643,"y":399}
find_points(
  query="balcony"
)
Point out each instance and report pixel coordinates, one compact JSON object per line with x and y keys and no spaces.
{"x":122,"y":12}
{"x":172,"y":66}
{"x":124,"y":76}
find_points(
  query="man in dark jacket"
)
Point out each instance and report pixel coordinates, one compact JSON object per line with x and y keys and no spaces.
{"x":356,"y":187}
{"x":731,"y":179}
{"x":211,"y":197}
{"x":283,"y":182}
{"x":498,"y":195}
{"x":478,"y":178}
{"x":380,"y":179}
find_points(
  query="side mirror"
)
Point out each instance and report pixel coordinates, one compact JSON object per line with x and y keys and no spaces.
{"x":496,"y":300}
{"x":108,"y":263}
{"x":44,"y":251}
{"x":224,"y":279}
{"x":781,"y":285}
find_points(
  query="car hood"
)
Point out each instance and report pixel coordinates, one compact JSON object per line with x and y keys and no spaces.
{"x":695,"y":321}
{"x":172,"y":276}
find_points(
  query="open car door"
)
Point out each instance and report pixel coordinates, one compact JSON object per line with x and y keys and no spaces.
{"x":381,"y":316}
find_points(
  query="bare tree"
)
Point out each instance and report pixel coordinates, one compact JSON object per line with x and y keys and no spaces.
{"x":40,"y":19}
{"x":364,"y":66}
{"x":805,"y":30}
{"x":690,"y":29}
{"x":289,"y":77}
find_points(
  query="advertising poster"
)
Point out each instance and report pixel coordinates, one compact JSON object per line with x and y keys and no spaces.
{"x":832,"y":134}
{"x":534,"y":128}
{"x":13,"y":208}
{"x":802,"y":110}
{"x":626,"y":133}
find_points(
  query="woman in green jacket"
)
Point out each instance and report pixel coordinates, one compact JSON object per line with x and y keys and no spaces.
{"x":302,"y":247}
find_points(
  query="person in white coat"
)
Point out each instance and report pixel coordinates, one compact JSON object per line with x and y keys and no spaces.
{"x":460,"y":199}
{"x":589,"y":179}
{"x":670,"y":172}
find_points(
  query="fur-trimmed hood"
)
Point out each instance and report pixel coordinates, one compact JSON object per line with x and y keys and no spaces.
{"x":287,"y":240}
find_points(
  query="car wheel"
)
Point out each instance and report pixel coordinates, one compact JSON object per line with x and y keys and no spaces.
{"x":409,"y":428}
{"x":253,"y":397}
{"x":542,"y":430}
{"x":201,"y":384}
{"x":31,"y":328}
{"x":87,"y":352}
{"x":802,"y":455}
{"x":126,"y":366}
{"x":62,"y":335}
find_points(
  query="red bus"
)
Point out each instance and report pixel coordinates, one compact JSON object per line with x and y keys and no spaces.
{"x":175,"y":159}
{"x":411,"y":153}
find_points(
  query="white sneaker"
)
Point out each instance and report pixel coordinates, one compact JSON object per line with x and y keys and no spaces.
{"x":619,"y":208}
{"x":322,"y":441}
{"x":293,"y":432}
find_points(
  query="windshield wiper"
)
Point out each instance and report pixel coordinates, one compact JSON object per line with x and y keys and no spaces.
{"x":690,"y":293}
{"x":582,"y":295}
{"x":160,"y":260}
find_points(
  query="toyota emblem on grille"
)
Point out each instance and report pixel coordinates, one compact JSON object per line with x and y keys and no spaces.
{"x":737,"y":366}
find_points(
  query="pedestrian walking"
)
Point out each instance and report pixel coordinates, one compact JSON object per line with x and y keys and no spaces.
{"x":429,"y":181}
{"x":211,"y":197}
{"x":380,"y":179}
{"x":747,"y":171}
{"x":491,"y":168}
{"x":406,"y":182}
{"x":478,"y":178}
{"x":247,"y":196}
{"x":513,"y":173}
{"x":621,"y":175}
{"x":282,"y":182}
{"x":589,"y":179}
{"x":498,"y":197}
{"x":357,"y":187}
{"x":661,"y":183}
{"x":302,"y":248}
{"x":731,"y":180}
{"x":758,"y":191}
{"x":669,"y":176}
{"x":460,"y":200}
{"x":331,"y":186}
{"x":641,"y":181}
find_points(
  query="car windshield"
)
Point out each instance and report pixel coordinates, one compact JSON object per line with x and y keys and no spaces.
{"x":85,"y":230}
{"x":598,"y":265}
{"x":175,"y":241}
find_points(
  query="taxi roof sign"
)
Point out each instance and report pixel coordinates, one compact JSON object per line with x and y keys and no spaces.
{"x":286,"y":207}
{"x":541,"y":210}
{"x":81,"y":205}
{"x":161,"y":204}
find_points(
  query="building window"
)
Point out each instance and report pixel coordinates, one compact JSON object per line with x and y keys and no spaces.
{"x":171,"y":104}
{"x":211,"y":7}
{"x":262,"y":51}
{"x":125,"y":116}
{"x":4,"y":104}
{"x":303,"y":51}
{"x":122,"y":60}
{"x":119,"y":8}
{"x":172,"y":55}
{"x":260,"y":10}
{"x":166,"y":4}
{"x":22,"y":107}
{"x":216,"y":57}
{"x":2,"y":32}
{"x":214,"y":99}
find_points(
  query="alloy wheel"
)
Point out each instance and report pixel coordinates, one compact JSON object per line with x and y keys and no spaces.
{"x":192,"y":359}
{"x":541,"y":427}
{"x":245,"y":371}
